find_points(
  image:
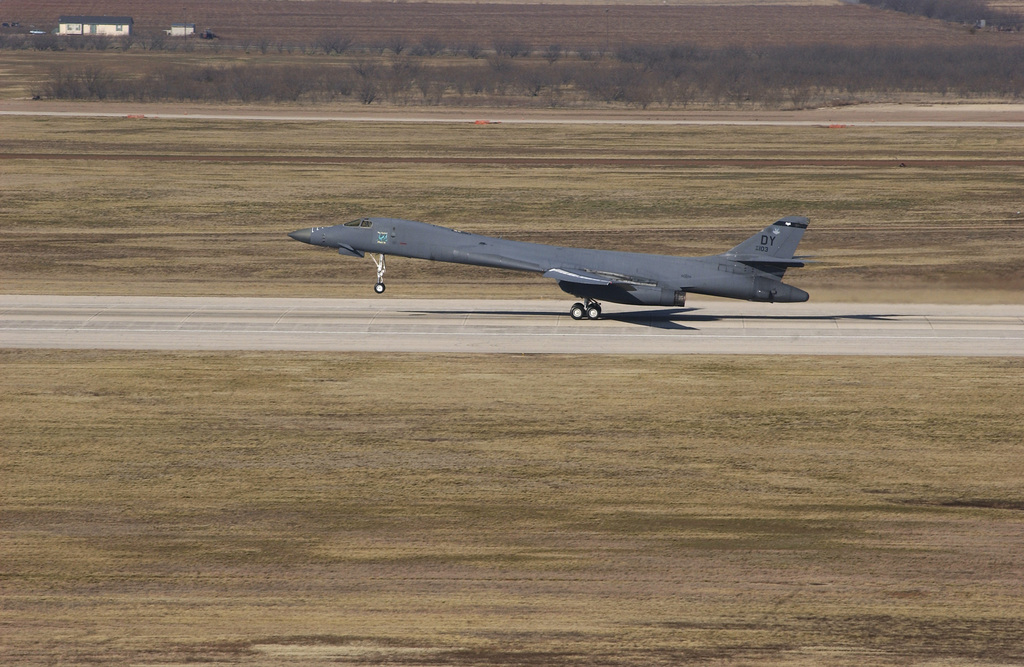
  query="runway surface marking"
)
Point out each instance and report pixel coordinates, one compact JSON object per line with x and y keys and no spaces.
{"x":463,"y":325}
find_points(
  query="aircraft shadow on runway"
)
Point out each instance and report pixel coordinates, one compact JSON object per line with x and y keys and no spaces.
{"x":674,"y":318}
{"x":659,"y":319}
{"x":670,"y":318}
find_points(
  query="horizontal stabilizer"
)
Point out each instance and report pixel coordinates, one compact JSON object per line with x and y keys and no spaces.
{"x":761,"y":259}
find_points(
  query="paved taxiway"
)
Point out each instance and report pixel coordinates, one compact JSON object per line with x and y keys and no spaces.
{"x":1003,"y":116}
{"x":463,"y":325}
{"x":345,"y":118}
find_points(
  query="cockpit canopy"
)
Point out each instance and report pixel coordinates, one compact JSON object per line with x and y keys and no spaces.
{"x":362,"y":222}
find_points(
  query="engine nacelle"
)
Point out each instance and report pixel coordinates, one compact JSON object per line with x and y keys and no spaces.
{"x":636,"y":295}
{"x":777,"y":292}
{"x":657,"y":296}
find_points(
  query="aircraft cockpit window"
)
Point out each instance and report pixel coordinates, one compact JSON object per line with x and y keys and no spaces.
{"x":354,"y":223}
{"x":366,"y":222}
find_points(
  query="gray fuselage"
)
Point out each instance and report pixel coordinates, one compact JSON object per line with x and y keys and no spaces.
{"x":632,"y":278}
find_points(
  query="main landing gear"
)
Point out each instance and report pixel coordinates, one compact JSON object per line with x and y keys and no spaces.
{"x":379,"y":287}
{"x":589,"y":309}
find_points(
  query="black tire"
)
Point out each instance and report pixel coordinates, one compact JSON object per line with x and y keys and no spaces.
{"x":379,"y":288}
{"x":577,"y":312}
{"x":594,"y":312}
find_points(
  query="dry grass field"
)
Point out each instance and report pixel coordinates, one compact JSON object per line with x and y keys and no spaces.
{"x":201,"y":207}
{"x":292,"y":508}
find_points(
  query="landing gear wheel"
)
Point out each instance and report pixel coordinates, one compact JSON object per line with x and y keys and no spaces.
{"x":593,"y":311}
{"x":379,"y":288}
{"x":577,"y":312}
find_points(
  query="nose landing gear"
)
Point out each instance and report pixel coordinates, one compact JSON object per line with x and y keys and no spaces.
{"x":589,"y":309}
{"x":379,"y":287}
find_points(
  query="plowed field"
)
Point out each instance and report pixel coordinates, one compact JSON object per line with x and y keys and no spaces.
{"x":536,"y":25}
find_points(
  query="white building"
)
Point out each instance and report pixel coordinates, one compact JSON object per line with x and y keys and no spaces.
{"x":114,"y":26}
{"x":182,"y":29}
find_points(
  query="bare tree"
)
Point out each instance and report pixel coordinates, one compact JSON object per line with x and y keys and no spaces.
{"x":432,"y":45}
{"x":400,"y":78}
{"x":511,"y":47}
{"x":333,"y":42}
{"x":368,"y":91}
{"x":367,"y":85}
{"x":97,"y":82}
{"x":553,"y":53}
{"x":397,"y":44}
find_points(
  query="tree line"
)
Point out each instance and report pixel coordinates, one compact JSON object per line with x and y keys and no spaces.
{"x":638,"y":76}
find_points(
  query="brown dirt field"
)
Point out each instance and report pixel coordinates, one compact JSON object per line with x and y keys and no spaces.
{"x":539,"y":25}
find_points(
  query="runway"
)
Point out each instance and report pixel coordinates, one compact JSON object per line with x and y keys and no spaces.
{"x":391,"y":325}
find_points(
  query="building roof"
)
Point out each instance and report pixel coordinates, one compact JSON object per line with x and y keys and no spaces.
{"x":105,"y":20}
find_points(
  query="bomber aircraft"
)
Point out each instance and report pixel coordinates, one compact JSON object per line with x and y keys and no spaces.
{"x":753,"y":270}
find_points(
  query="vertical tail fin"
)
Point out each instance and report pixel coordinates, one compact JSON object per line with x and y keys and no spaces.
{"x":777,"y":241}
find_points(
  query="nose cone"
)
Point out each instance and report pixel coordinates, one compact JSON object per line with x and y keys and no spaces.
{"x":304,"y":235}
